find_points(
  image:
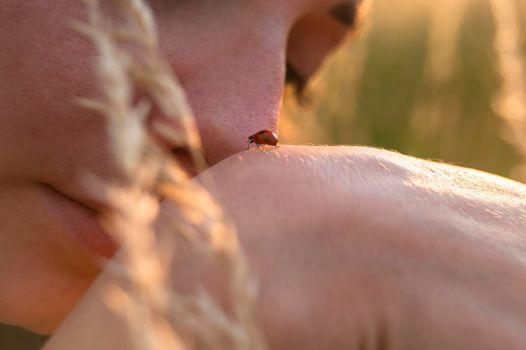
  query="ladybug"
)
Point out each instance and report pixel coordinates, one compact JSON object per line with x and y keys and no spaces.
{"x":263,"y":137}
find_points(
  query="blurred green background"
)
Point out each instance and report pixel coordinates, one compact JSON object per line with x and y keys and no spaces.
{"x":420,"y":78}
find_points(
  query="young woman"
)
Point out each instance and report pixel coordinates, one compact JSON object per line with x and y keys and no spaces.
{"x":354,"y":247}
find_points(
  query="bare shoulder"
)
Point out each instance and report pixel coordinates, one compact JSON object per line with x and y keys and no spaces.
{"x":342,"y":193}
{"x":338,"y":176}
{"x":372,"y":222}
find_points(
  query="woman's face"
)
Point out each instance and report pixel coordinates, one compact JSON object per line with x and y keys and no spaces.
{"x":230,"y":57}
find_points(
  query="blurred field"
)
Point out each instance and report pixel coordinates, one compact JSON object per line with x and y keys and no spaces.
{"x":421,"y":79}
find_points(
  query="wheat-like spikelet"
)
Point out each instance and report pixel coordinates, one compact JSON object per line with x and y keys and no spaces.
{"x":153,"y":311}
{"x":445,"y":22}
{"x":510,"y":104}
{"x":439,"y":106}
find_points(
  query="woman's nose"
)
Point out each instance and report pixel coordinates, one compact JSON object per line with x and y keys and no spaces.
{"x":235,"y":85}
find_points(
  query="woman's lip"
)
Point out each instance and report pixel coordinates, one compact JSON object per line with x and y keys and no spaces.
{"x":81,"y":221}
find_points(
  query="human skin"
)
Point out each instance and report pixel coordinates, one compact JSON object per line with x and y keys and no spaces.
{"x":230,"y":57}
{"x":359,"y":248}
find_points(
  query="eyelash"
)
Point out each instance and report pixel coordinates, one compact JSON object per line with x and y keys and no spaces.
{"x":292,"y":77}
{"x":345,"y":13}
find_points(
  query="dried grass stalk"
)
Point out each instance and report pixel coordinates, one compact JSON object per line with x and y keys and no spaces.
{"x":510,"y":103}
{"x":153,"y":311}
{"x":436,"y":105}
{"x":445,"y":22}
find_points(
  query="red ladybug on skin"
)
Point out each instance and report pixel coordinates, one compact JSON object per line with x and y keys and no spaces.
{"x":263,"y":137}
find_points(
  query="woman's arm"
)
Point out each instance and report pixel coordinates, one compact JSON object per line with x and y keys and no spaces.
{"x":362,"y":248}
